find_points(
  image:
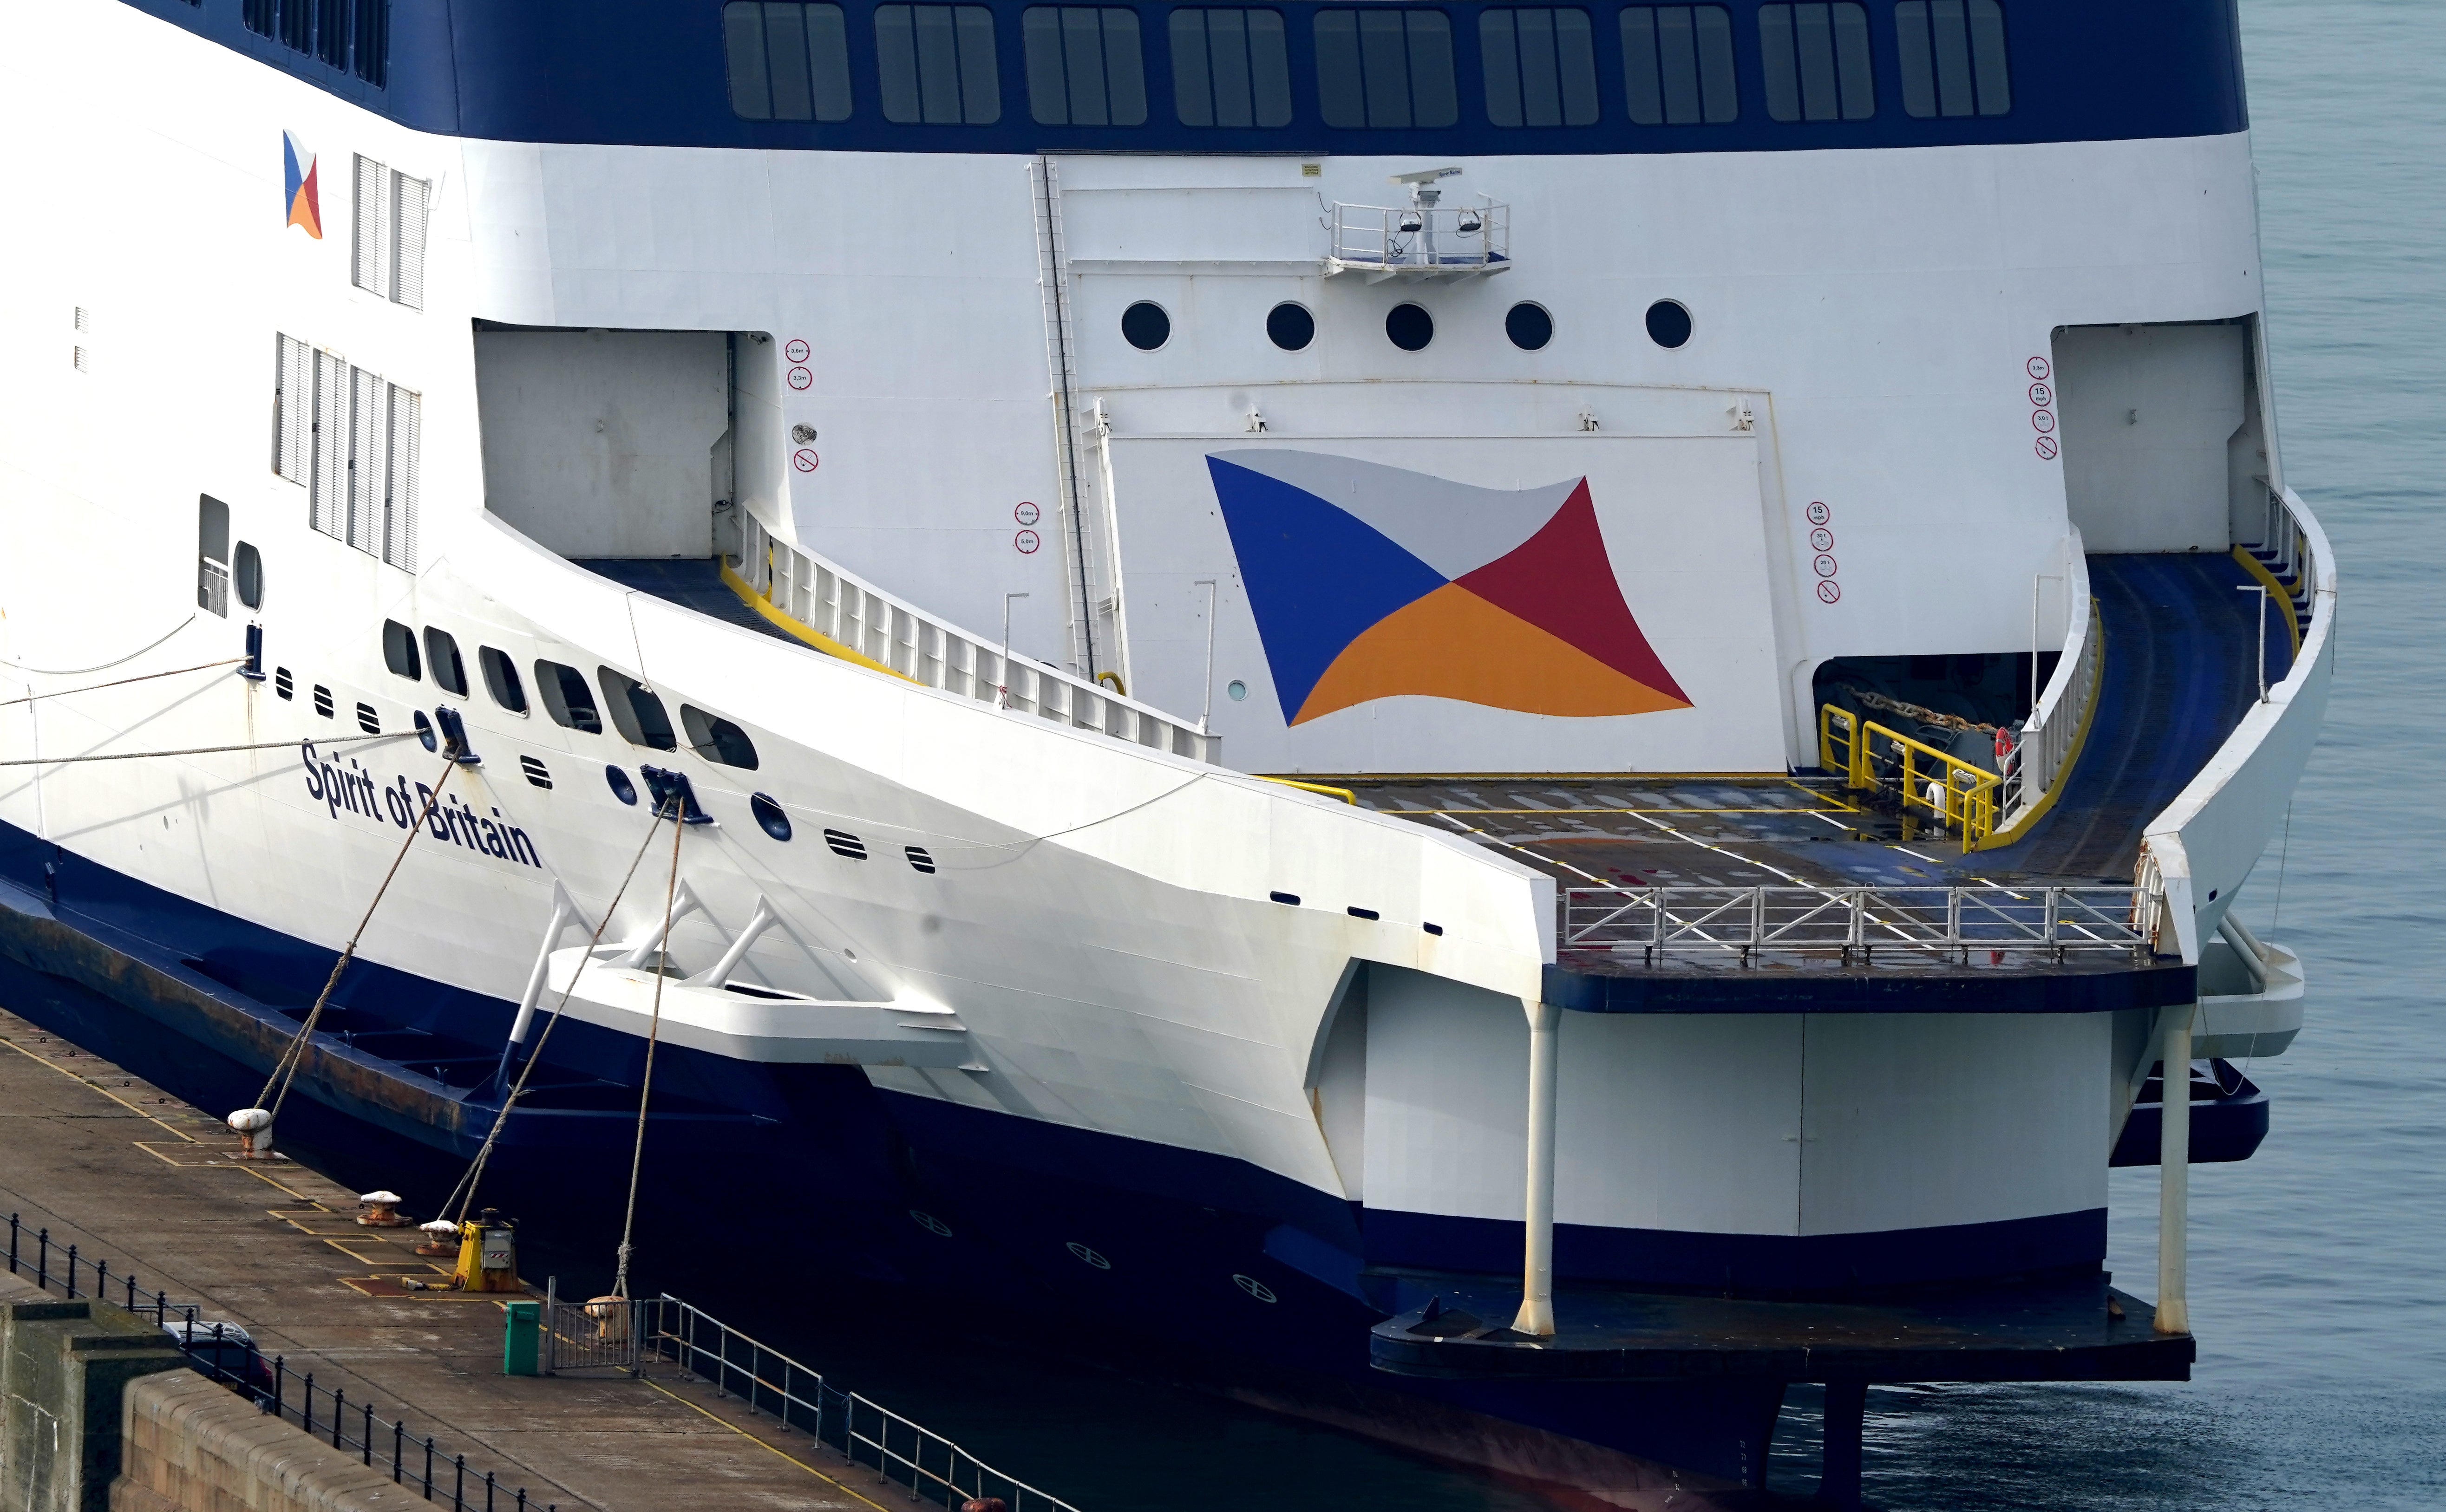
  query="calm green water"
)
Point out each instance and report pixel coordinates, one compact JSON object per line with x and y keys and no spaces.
{"x":2319,"y":1267}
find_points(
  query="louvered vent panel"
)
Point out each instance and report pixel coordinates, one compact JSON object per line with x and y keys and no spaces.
{"x":371,"y":265}
{"x":407,"y":240}
{"x":292,"y":408}
{"x":400,"y":549}
{"x":537,"y":771}
{"x":845,"y":844}
{"x":328,"y":507}
{"x":366,"y":457}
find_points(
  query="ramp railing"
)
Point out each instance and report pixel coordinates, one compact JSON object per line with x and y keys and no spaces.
{"x":839,"y":613}
{"x":1853,"y":925}
{"x":1953,"y":794}
{"x":2036,"y":763}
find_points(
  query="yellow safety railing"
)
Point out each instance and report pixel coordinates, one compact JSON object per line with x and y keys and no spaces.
{"x":1957,"y":794}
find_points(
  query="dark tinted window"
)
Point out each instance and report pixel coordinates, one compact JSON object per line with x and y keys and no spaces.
{"x":1084,"y":65}
{"x":1291,"y":327}
{"x":1952,"y":56}
{"x":1230,"y":67}
{"x":937,"y":64}
{"x":636,"y":711}
{"x":399,"y":651}
{"x":1528,"y":326}
{"x":1409,"y":327}
{"x":1541,"y":67}
{"x":1815,"y":59}
{"x":567,"y":697}
{"x":787,"y":61}
{"x":717,"y":739}
{"x":1386,"y":68}
{"x":249,"y":573}
{"x":442,"y":652}
{"x":501,"y":680}
{"x":1677,"y":63}
{"x":1669,"y":323}
{"x":351,"y":34}
{"x":1145,"y":325}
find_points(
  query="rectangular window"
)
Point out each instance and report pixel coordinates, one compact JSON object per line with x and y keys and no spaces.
{"x":788,"y":62}
{"x":1677,"y":65}
{"x":937,"y":64}
{"x":1952,"y":56}
{"x":349,"y":438}
{"x":349,"y":34}
{"x":1541,"y":67}
{"x":1085,"y":66}
{"x":1816,"y":58}
{"x":1230,"y":67}
{"x":389,"y":222}
{"x":1386,"y":68}
{"x":567,"y":697}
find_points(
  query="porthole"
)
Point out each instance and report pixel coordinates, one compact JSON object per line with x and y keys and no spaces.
{"x":1669,"y":323}
{"x":1290,"y":327}
{"x":622,"y":788}
{"x":1087,"y":1257}
{"x":1253,"y":1287}
{"x":423,"y":731}
{"x":930,"y":1224}
{"x":769,"y":817}
{"x":1145,"y":325}
{"x":1235,"y":690}
{"x":1409,"y":327}
{"x":1529,"y":326}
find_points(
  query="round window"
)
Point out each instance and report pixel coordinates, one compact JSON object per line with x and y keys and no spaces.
{"x":1289,"y":328}
{"x":1669,"y":323}
{"x":1409,"y":327}
{"x":1529,"y":326}
{"x":622,"y":788}
{"x":1238,"y":690}
{"x":768,"y":815}
{"x":1145,"y":325}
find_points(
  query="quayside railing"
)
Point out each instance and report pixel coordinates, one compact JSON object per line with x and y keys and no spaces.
{"x":414,"y":1460}
{"x":846,"y":615}
{"x":1993,"y":926}
{"x":601,"y":1334}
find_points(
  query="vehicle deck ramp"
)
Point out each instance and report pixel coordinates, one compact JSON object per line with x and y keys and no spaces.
{"x":2180,"y":673}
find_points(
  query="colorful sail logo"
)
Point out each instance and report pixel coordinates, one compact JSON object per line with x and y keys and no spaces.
{"x":1369,"y":582}
{"x":303,"y":197}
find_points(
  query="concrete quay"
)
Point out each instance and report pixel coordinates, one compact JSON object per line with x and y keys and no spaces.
{"x":133,"y":1177}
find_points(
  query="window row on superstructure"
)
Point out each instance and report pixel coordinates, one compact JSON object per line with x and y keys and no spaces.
{"x":353,"y":35}
{"x":1376,"y":67}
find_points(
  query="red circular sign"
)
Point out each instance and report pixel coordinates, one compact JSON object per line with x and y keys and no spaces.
{"x":2041,"y":395}
{"x":1827,"y":591}
{"x":2043,"y":420}
{"x":1027,"y":541}
{"x":1821,"y":539}
{"x":1819,"y":512}
{"x":2046,"y":448}
{"x":800,"y":378}
{"x":2038,"y":366}
{"x":1825,"y":564}
{"x":1026,"y":514}
{"x":796,"y":351}
{"x":804,"y":460}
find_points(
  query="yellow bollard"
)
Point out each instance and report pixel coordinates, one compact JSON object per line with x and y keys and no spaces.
{"x":488,"y":1255}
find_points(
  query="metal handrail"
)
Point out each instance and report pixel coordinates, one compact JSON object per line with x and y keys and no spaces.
{"x":442,"y":1480}
{"x":1956,"y":794}
{"x":1850,"y":925}
{"x":879,"y":630}
{"x":2035,"y":764}
{"x":920,"y":1462}
{"x":1422,"y":236}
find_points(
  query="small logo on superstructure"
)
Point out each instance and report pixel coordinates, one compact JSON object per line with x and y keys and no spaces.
{"x":303,"y":197}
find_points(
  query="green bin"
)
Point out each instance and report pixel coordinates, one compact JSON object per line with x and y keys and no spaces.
{"x":522,"y":1340}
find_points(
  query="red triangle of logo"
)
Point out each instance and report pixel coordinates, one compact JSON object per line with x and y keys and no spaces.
{"x":1561,"y":580}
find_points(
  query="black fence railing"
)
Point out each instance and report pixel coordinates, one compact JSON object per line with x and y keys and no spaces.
{"x":234,"y":1361}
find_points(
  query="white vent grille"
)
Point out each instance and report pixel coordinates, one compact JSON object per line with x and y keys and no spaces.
{"x":350,"y":438}
{"x":389,"y":258}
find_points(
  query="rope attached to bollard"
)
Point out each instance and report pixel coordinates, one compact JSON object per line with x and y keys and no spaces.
{"x":275,"y":1087}
{"x":654,"y":1034}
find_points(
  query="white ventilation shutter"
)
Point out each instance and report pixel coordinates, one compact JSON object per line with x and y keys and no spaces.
{"x":367,"y":460}
{"x":293,"y":409}
{"x":399,"y":541}
{"x":350,"y":438}
{"x":407,"y":240}
{"x":371,"y":211}
{"x":328,"y":502}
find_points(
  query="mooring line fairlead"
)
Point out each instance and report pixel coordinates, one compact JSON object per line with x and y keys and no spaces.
{"x":275,"y":1087}
{"x":474,"y":1173}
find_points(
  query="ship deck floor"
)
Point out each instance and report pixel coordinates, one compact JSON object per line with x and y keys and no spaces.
{"x":132,"y":1175}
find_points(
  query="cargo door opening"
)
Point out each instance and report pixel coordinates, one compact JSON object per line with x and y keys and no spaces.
{"x":625,"y":445}
{"x":2164,"y":445}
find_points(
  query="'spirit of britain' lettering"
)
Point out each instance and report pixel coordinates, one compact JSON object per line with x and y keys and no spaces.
{"x":345,"y":787}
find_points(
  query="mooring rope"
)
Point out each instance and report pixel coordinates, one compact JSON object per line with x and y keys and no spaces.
{"x":99,"y":666}
{"x":117,"y":682}
{"x":284,"y":1071}
{"x":201,"y":749}
{"x":474,"y":1173}
{"x":653,"y":1033}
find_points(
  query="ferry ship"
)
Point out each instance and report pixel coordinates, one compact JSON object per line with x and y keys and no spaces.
{"x":1517,"y":720}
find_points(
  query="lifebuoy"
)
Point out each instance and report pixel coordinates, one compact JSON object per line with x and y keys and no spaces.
{"x":2003,"y":742}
